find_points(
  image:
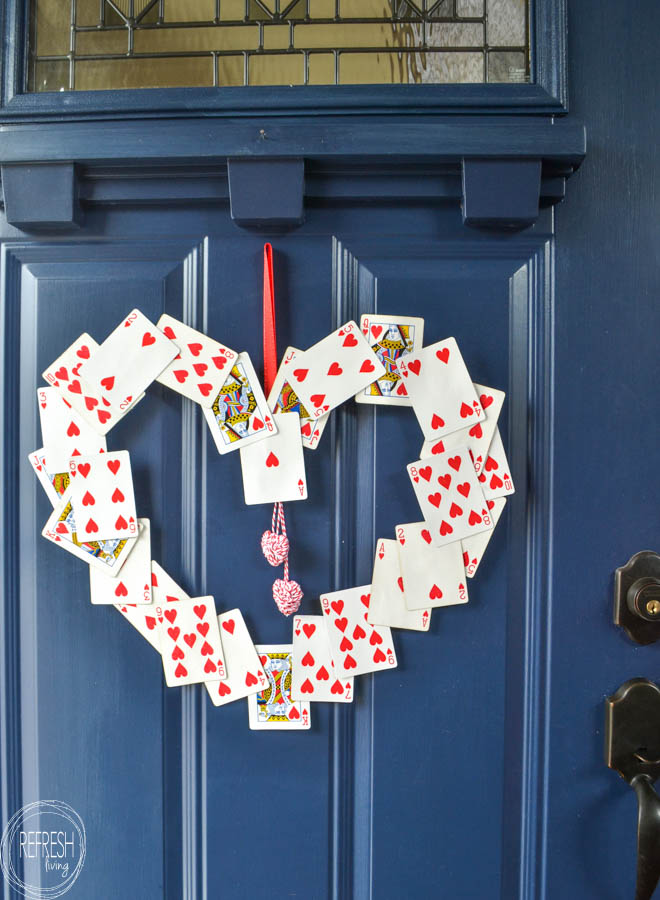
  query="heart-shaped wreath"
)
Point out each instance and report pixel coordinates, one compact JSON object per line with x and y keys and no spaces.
{"x":461,"y":481}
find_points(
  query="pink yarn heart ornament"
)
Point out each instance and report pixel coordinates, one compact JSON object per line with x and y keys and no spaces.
{"x":275,"y":547}
{"x":287,"y":595}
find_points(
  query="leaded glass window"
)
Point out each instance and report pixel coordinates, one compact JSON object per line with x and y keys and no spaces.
{"x":103,"y":44}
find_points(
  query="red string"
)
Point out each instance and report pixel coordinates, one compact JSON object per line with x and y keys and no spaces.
{"x":269,"y":334}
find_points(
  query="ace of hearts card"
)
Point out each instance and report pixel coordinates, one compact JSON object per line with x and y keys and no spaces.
{"x":245,"y":674}
{"x":388,"y":597}
{"x":190,"y":641}
{"x":314,"y":676}
{"x":274,"y":470}
{"x":432,"y":576}
{"x":338,"y":367}
{"x":239,"y":415}
{"x":272,"y":708}
{"x":440,"y":389}
{"x":128,"y":361}
{"x":283,"y":399}
{"x":390,"y":338}
{"x":450,"y":497}
{"x":102,"y":496}
{"x":201,"y":366}
{"x":356,"y":645}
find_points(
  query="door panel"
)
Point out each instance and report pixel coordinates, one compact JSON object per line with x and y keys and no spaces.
{"x":415,"y":771}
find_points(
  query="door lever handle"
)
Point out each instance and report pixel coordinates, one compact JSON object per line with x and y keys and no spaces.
{"x":648,"y":836}
{"x":632,"y":748}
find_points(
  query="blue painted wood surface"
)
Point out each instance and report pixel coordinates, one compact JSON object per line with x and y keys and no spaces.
{"x":475,"y":769}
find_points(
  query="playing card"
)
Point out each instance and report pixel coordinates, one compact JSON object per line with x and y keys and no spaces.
{"x":239,"y":415}
{"x":64,"y":374}
{"x":133,"y":585}
{"x":390,"y":338}
{"x":440,"y":389}
{"x":274,"y":469}
{"x":128,"y":360}
{"x":388,"y":602}
{"x":283,"y":398}
{"x":495,"y":478}
{"x":245,"y":674}
{"x":107,"y":555}
{"x":54,"y":484}
{"x":164,"y":590}
{"x":449,"y":496}
{"x":201,"y":366}
{"x":477,"y":438}
{"x":102,"y":495}
{"x":190,"y":641}
{"x":333,"y":370}
{"x":432,"y":576}
{"x":314,"y":676}
{"x":475,"y":546}
{"x":64,"y":433}
{"x":356,"y":646}
{"x":272,"y":708}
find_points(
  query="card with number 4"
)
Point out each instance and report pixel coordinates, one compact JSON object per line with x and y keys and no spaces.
{"x":272,"y":708}
{"x":283,"y":399}
{"x":190,"y":641}
{"x":450,"y":497}
{"x":477,"y":438}
{"x":201,"y":366}
{"x":440,"y":389}
{"x":390,"y":338}
{"x":245,"y":674}
{"x":102,"y":496}
{"x":388,"y":601}
{"x":239,"y":415}
{"x":432,"y":576}
{"x":356,"y":645}
{"x":274,"y":469}
{"x":314,"y":676}
{"x":336,"y":368}
{"x":164,"y":590}
{"x":128,"y":361}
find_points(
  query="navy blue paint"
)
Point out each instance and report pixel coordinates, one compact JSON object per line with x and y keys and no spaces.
{"x":266,"y":193}
{"x":500,"y":708}
{"x":41,"y":196}
{"x":501,"y":193}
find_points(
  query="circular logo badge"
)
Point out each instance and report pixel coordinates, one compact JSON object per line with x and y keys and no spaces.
{"x":43,"y":848}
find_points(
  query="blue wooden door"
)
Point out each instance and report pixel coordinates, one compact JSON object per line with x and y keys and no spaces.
{"x":475,"y":769}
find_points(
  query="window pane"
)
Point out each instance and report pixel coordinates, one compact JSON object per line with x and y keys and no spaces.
{"x":104,"y":44}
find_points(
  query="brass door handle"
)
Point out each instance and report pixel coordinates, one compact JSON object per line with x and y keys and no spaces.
{"x":632,"y":748}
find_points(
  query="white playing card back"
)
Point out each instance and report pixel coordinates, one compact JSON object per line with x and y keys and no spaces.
{"x":388,"y":601}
